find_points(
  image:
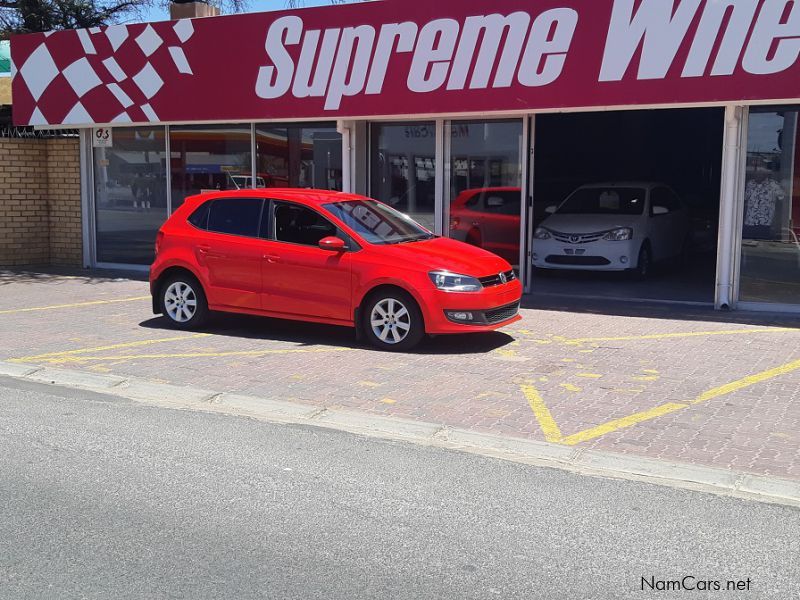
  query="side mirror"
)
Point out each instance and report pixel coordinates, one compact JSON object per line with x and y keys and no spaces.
{"x":551,"y":210}
{"x":334,"y":244}
{"x":660,"y":210}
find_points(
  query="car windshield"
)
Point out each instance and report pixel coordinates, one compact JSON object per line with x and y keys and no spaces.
{"x":604,"y":201}
{"x":378,"y":223}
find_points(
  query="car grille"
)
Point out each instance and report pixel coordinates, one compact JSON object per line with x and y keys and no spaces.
{"x":503,"y":313}
{"x":577,"y":238}
{"x":493,"y":280}
{"x":588,"y":261}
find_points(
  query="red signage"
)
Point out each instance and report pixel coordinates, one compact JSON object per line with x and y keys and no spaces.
{"x":396,"y":58}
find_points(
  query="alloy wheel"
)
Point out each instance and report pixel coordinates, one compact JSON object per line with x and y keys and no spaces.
{"x":180,"y":302}
{"x":390,"y":321}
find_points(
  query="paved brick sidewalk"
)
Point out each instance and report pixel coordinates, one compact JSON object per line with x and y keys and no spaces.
{"x":698,"y":390}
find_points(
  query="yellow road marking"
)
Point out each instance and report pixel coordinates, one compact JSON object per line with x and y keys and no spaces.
{"x":75,"y":305}
{"x":549,"y":427}
{"x":685,"y":334}
{"x":77,"y":359}
{"x":617,"y":424}
{"x":747,"y":382}
{"x":552,"y":432}
{"x":109,"y":347}
{"x":646,"y":378}
{"x":569,"y":387}
{"x":589,"y":375}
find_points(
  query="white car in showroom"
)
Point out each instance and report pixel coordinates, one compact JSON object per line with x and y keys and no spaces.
{"x":613,"y":227}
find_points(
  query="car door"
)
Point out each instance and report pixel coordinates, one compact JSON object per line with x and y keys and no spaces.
{"x":299,"y":277}
{"x":231,"y":252}
{"x":660,"y":223}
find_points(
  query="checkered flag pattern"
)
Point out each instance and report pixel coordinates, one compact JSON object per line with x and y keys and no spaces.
{"x":104,"y":74}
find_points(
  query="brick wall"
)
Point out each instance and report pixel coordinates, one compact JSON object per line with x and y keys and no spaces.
{"x":40,"y":202}
{"x":64,"y":201}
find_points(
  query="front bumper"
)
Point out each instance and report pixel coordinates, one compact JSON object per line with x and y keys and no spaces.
{"x":601,"y":255}
{"x":492,"y":308}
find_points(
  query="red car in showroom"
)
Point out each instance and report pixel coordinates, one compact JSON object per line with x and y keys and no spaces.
{"x":326,"y":257}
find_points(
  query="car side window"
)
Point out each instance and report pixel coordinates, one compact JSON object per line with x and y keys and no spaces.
{"x":666,"y":198}
{"x":235,"y":216}
{"x":503,"y":202}
{"x":297,"y":224}
{"x":199,"y":218}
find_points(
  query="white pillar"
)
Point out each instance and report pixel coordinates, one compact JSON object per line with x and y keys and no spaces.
{"x":344,"y":127}
{"x":731,"y":200}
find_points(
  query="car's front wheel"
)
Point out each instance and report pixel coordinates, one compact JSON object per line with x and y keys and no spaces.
{"x":183,"y":302}
{"x":644,"y":263}
{"x":393,"y":321}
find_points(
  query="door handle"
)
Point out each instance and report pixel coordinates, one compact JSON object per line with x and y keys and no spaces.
{"x":273,"y":258}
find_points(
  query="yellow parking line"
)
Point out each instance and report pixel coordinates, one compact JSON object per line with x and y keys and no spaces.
{"x":552,"y":432}
{"x":76,"y":359}
{"x":110,"y":347}
{"x":549,"y":427}
{"x":686,"y":334}
{"x":75,"y":305}
{"x":739,"y":384}
{"x":617,"y":424}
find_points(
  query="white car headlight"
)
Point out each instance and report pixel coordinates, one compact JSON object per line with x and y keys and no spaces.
{"x":453,"y":282}
{"x":542,"y":234}
{"x":622,"y":234}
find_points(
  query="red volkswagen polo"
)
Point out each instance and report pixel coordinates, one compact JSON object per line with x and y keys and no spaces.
{"x":326,"y":257}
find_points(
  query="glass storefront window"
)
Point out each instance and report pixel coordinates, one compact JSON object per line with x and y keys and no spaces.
{"x":130,"y":195}
{"x":485,"y":185}
{"x":209,"y":158}
{"x":403,"y":168}
{"x":295,"y":156}
{"x":770,"y":265}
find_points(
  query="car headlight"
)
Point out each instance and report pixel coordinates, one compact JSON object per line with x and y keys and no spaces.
{"x":622,"y":234}
{"x":542,"y":234}
{"x":453,"y":282}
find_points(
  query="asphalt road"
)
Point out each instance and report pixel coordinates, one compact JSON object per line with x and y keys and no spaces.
{"x":104,"y":498}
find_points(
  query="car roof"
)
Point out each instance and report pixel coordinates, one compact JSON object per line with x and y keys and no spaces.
{"x":303,"y":195}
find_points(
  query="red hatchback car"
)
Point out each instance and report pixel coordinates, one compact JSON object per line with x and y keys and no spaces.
{"x":326,"y":257}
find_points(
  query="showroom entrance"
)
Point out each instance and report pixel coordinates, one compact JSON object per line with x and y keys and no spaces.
{"x":626,"y":204}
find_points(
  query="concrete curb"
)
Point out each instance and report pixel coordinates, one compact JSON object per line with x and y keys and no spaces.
{"x":533,"y":452}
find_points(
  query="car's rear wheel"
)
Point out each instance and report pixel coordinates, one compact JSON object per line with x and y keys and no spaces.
{"x":393,"y":321}
{"x":183,"y":302}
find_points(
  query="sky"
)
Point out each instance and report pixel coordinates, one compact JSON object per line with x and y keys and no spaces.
{"x":162,"y":14}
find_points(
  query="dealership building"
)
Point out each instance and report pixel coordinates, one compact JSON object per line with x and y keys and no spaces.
{"x":476,"y":119}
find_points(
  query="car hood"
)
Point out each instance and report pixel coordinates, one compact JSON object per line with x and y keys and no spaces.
{"x":589,"y":223}
{"x":448,"y":255}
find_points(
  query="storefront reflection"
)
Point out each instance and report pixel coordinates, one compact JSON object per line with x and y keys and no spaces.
{"x":488,"y":218}
{"x":485,"y":180}
{"x":770,"y":270}
{"x":130,"y":195}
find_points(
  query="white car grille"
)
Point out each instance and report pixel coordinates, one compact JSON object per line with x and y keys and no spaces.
{"x":577,"y":238}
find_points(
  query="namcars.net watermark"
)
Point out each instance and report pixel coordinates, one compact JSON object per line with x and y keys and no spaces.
{"x":690,"y":583}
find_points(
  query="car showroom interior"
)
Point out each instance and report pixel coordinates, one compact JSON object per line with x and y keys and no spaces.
{"x":615,"y":157}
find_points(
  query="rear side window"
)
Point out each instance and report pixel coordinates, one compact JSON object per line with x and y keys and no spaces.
{"x":199,"y":218}
{"x":235,"y":216}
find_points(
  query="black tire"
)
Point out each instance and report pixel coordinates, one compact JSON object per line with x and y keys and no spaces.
{"x":181,"y":295}
{"x":644,"y":263}
{"x":393,"y":329}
